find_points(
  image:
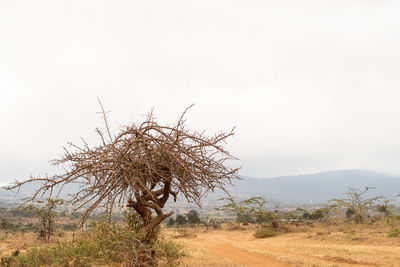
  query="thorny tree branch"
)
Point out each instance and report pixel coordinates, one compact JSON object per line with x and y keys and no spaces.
{"x":142,"y":165}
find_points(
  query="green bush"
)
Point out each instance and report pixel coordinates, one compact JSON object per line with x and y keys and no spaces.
{"x":265,"y":232}
{"x":68,"y":227}
{"x":394,"y":233}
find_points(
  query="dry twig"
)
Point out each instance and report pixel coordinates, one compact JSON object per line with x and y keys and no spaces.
{"x":142,"y":166}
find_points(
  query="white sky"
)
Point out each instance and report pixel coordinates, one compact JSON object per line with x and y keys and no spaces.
{"x":310,"y":85}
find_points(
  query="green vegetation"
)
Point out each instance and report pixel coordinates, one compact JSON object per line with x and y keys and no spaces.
{"x":356,"y":206}
{"x":191,"y":218}
{"x":240,"y":209}
{"x":265,"y":232}
{"x":46,"y":216}
{"x":106,"y":243}
{"x":394,"y":233}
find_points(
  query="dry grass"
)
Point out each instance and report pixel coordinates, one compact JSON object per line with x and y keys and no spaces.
{"x":201,"y":257}
{"x":321,"y":245}
{"x":342,"y":244}
{"x":22,"y":241}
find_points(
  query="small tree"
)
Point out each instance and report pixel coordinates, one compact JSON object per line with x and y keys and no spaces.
{"x":319,"y":214}
{"x":257,"y":209}
{"x":238,"y":208}
{"x":180,"y":219}
{"x":301,"y":213}
{"x":335,"y":209}
{"x":46,"y":216}
{"x":354,"y":203}
{"x":275,"y":217}
{"x":171,"y":222}
{"x":193,"y":217}
{"x":349,"y":213}
{"x":4,"y":224}
{"x":385,"y":208}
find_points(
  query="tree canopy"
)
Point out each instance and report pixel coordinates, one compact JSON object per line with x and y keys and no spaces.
{"x":142,"y":165}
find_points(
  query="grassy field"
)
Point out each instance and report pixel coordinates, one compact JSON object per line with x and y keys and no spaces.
{"x":315,"y":245}
{"x":22,"y":241}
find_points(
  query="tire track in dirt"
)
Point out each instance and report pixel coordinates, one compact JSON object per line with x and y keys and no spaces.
{"x":244,"y":250}
{"x":227,"y":251}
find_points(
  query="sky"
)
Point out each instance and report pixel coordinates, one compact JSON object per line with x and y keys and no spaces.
{"x":309,"y":85}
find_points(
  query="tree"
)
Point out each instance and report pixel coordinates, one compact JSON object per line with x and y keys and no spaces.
{"x":354,"y":203}
{"x":335,"y":209}
{"x":4,"y":224}
{"x":349,"y":213}
{"x":193,"y":217}
{"x":180,"y":219}
{"x":46,"y":216}
{"x":301,"y":213}
{"x":385,"y":208}
{"x":141,"y":166}
{"x":238,"y":208}
{"x":171,"y":222}
{"x":319,"y":214}
{"x":257,"y":209}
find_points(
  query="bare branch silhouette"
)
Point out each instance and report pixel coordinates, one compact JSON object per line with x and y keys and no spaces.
{"x":142,"y":166}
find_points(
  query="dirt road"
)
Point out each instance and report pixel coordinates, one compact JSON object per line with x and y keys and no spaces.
{"x":227,"y":250}
{"x":240,"y":248}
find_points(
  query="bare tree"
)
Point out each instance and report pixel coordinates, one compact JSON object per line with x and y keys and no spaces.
{"x":141,"y":166}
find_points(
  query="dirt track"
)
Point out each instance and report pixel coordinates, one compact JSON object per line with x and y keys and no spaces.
{"x":240,"y":248}
{"x":228,"y":250}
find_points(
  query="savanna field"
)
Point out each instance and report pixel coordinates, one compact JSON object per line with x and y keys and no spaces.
{"x":375,"y":242}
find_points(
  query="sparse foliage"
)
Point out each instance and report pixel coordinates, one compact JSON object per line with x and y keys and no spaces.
{"x":257,"y":207}
{"x":385,"y":207}
{"x":239,"y":208}
{"x":394,"y":233}
{"x":46,"y":216}
{"x":354,"y":203}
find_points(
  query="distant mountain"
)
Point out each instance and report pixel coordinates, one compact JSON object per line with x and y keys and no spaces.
{"x":4,"y":194}
{"x":319,"y":187}
{"x":28,"y":189}
{"x":311,"y":188}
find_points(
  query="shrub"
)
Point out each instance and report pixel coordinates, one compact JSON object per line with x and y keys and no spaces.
{"x":265,"y":232}
{"x":394,"y":233}
{"x":193,"y":217}
{"x":232,"y":227}
{"x":105,"y":244}
{"x":15,"y":253}
{"x":169,"y":252}
{"x":171,"y":222}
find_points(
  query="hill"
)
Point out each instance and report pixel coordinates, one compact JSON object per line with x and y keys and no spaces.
{"x":311,"y":188}
{"x":319,"y":187}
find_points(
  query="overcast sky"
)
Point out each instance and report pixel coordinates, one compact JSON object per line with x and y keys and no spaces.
{"x":310,"y":85}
